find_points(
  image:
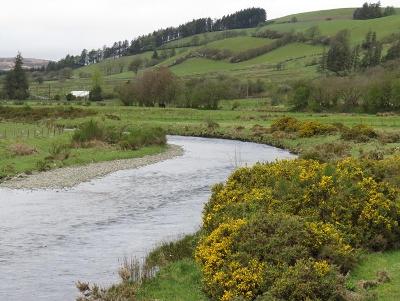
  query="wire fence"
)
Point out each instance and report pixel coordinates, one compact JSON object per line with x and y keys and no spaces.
{"x":30,"y":132}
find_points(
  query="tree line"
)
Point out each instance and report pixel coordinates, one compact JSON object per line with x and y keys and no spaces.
{"x":246,"y":18}
{"x":373,"y":11}
{"x":343,"y":59}
{"x":160,"y":87}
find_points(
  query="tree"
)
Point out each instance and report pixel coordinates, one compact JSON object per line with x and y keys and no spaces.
{"x":355,"y":58}
{"x":16,"y":84}
{"x":135,"y":65}
{"x":389,"y":11}
{"x":96,"y":93}
{"x":368,"y":11}
{"x":155,"y":55}
{"x":339,"y":55}
{"x":373,"y":51}
{"x":159,"y":86}
{"x":393,"y":52}
{"x":322,"y":63}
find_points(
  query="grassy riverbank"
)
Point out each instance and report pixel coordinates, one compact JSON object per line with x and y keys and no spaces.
{"x":328,"y":137}
{"x":31,"y":140}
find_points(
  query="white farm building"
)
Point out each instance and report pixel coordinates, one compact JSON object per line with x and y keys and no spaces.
{"x":81,"y":94}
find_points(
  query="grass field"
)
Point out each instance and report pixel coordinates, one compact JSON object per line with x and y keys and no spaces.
{"x":358,"y":28}
{"x":239,"y":44}
{"x":377,"y":262}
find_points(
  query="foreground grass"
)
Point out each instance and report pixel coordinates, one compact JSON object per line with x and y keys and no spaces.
{"x":178,"y":281}
{"x":373,"y":263}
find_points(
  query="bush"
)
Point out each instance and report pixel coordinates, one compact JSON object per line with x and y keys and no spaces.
{"x":137,"y":138}
{"x":327,"y":152}
{"x":96,"y":94}
{"x":87,"y":132}
{"x":302,"y":128}
{"x":21,"y":149}
{"x":308,"y":280}
{"x":359,"y":133}
{"x":70,"y":97}
{"x":290,"y":230}
{"x":286,"y":124}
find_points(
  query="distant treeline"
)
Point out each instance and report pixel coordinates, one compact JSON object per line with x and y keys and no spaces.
{"x":246,"y":18}
{"x":373,"y":11}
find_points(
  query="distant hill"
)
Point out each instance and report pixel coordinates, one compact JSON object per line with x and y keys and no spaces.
{"x":8,"y":63}
{"x":210,"y":54}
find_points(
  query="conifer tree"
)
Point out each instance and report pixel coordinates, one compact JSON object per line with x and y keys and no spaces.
{"x":16,"y":84}
{"x":339,"y":55}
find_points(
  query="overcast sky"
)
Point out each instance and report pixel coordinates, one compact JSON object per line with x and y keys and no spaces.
{"x":50,"y":29}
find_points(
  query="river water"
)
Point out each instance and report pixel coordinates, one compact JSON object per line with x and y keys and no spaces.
{"x":49,"y":239}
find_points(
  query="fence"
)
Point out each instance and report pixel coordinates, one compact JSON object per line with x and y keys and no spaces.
{"x":30,"y":132}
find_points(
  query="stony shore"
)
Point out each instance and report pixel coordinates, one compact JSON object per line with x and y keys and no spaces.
{"x":71,"y":176}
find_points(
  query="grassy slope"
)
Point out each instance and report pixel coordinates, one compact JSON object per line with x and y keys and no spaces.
{"x":259,"y":67}
{"x":373,"y":263}
{"x":296,"y":51}
{"x":358,"y":28}
{"x":239,"y":44}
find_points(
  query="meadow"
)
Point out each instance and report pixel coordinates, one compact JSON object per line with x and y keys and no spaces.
{"x":245,"y":119}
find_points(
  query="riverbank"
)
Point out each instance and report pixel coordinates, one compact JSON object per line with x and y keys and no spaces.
{"x":71,"y":176}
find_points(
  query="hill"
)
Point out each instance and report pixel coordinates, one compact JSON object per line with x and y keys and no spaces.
{"x":8,"y":63}
{"x":210,"y":54}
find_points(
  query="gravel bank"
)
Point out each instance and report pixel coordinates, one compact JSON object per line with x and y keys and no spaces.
{"x":72,"y":176}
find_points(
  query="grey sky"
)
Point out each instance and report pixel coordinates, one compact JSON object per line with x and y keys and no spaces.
{"x":50,"y":29}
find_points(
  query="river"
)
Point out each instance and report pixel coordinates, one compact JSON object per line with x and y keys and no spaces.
{"x":49,"y":239}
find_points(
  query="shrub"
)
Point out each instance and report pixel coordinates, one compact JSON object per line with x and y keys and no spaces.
{"x":96,"y":94}
{"x":359,"y":133}
{"x":88,"y":131}
{"x":21,"y":149}
{"x":59,"y":151}
{"x":289,"y":229}
{"x":70,"y":97}
{"x":138,"y":138}
{"x":286,"y":124}
{"x":313,"y":128}
{"x":308,"y":280}
{"x":327,"y":152}
{"x":302,"y":128}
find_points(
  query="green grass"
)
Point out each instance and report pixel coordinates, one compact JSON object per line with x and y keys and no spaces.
{"x":17,"y":133}
{"x":358,"y":28}
{"x":239,"y":44}
{"x":296,"y":55}
{"x":322,"y":15}
{"x":375,"y":262}
{"x":179,"y":281}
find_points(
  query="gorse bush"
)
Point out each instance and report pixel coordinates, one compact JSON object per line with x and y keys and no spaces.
{"x":302,"y":128}
{"x":290,"y":230}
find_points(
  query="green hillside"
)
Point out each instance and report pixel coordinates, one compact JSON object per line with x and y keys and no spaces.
{"x":295,"y":60}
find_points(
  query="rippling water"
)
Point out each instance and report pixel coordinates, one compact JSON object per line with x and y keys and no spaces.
{"x":49,"y":239}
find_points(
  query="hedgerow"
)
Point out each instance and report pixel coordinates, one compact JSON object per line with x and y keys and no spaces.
{"x":290,"y":230}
